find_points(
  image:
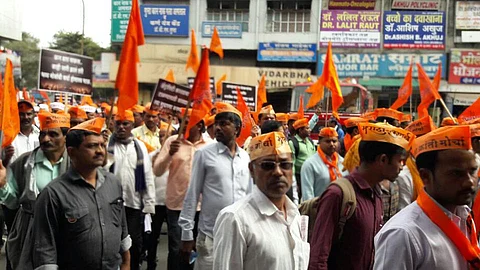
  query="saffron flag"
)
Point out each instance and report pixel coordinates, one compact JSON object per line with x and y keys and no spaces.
{"x":471,"y":113}
{"x":170,"y":76}
{"x":405,"y":90}
{"x":262,"y":93}
{"x":247,"y":121}
{"x":87,"y":100}
{"x":216,"y":44}
{"x":24,"y":92}
{"x":428,"y":92}
{"x":200,"y":95}
{"x":301,"y":113}
{"x":218,"y":84}
{"x":317,"y":92}
{"x":127,"y":77}
{"x":45,"y":97}
{"x":192,"y":61}
{"x":9,"y":114}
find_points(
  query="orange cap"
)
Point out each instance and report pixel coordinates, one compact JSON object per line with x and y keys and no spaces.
{"x":390,"y":113}
{"x":94,"y":125}
{"x":406,"y":117}
{"x":272,"y":143}
{"x":281,"y":117}
{"x":328,"y":132}
{"x":444,"y":138}
{"x":77,"y":112}
{"x":300,"y":123}
{"x":354,"y":121}
{"x":109,"y":108}
{"x":370,"y":115}
{"x":293,"y":116}
{"x":447,"y":121}
{"x":128,"y":116}
{"x":25,"y":106}
{"x":421,"y":126}
{"x":147,"y":109}
{"x":384,"y":132}
{"x":164,"y":125}
{"x":53,"y":120}
{"x":209,"y":120}
{"x":267,"y":110}
{"x":226,"y":107}
{"x":137,"y":109}
{"x":104,"y":105}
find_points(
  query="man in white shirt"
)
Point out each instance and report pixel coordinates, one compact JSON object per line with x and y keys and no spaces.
{"x":220,"y":174}
{"x":323,"y":167}
{"x":264,"y":230}
{"x":128,"y":159}
{"x":436,"y":231}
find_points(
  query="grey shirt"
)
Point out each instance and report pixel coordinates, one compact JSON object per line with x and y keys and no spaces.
{"x":77,"y":226}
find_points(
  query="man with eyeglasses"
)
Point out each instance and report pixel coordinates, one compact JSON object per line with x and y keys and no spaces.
{"x":220,"y":174}
{"x":265,"y":229}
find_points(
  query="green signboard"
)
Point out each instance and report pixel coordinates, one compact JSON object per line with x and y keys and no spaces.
{"x":120,"y":15}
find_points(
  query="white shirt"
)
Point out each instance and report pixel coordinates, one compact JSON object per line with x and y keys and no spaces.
{"x":160,"y":183}
{"x":253,"y":234}
{"x":315,"y":176}
{"x":125,"y":159}
{"x":221,"y":179}
{"x":23,"y":143}
{"x":405,"y":188}
{"x":410,"y":240}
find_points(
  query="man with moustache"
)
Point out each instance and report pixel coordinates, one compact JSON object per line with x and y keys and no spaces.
{"x":149,"y":131}
{"x":28,"y":176}
{"x":79,"y":218}
{"x":220,"y":175}
{"x":437,"y":230}
{"x":264,"y":230}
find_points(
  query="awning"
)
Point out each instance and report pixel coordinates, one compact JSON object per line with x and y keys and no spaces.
{"x":385,"y":82}
{"x":462,"y":99}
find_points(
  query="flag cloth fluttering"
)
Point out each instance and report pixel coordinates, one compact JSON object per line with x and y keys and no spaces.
{"x":247,"y":121}
{"x":192,"y":60}
{"x":472,"y":112}
{"x":170,"y":76}
{"x":405,"y":90}
{"x":127,"y":76}
{"x":10,"y":120}
{"x":301,"y":111}
{"x":428,"y":92}
{"x":218,"y":84}
{"x":261,"y":93}
{"x":216,"y":44}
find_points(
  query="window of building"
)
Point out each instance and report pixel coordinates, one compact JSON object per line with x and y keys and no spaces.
{"x":229,"y":11}
{"x":288,"y":16}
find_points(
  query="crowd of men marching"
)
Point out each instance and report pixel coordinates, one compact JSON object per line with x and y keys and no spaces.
{"x":380,"y":191}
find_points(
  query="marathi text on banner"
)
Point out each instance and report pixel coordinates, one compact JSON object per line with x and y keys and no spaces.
{"x":165,"y":20}
{"x":464,"y":67}
{"x":249,"y":93}
{"x":467,"y":15}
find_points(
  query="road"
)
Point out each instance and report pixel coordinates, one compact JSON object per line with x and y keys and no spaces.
{"x":162,"y":252}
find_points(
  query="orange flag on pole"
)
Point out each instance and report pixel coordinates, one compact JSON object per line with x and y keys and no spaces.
{"x":25,"y":94}
{"x":218,"y":84}
{"x":472,"y":112}
{"x":405,"y":90}
{"x":45,"y":97}
{"x":301,"y":113}
{"x":170,"y":76}
{"x":216,"y":44}
{"x":317,"y":92}
{"x":200,"y":95}
{"x":87,"y":100}
{"x":247,"y":121}
{"x":10,"y":120}
{"x":428,"y":92}
{"x":192,"y":61}
{"x":127,"y":77}
{"x":262,"y":93}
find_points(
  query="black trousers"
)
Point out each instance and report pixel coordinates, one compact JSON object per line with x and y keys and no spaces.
{"x":175,"y":241}
{"x":9,"y":215}
{"x":135,"y":230}
{"x":152,"y":239}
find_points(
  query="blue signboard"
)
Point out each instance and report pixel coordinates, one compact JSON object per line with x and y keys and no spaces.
{"x":414,"y":30}
{"x":165,"y":20}
{"x":225,"y":29}
{"x":287,"y":52}
{"x":394,"y":65}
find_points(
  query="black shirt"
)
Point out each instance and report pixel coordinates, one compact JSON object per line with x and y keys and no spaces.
{"x":77,"y":226}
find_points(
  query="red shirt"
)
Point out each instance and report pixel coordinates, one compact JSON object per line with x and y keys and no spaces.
{"x":355,"y":250}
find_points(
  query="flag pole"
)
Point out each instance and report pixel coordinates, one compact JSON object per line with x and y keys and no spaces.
{"x":435,"y":107}
{"x":114,"y":101}
{"x":411,"y":111}
{"x":184,"y":117}
{"x":326,"y":111}
{"x":448,"y":111}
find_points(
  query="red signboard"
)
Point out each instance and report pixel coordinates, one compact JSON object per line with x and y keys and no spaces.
{"x":352,"y":5}
{"x":464,"y":67}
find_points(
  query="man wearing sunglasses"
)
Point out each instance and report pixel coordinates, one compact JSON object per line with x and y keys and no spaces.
{"x":264,"y":230}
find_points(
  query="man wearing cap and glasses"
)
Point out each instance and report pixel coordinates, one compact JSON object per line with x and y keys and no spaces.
{"x":79,"y":218}
{"x":437,"y":230}
{"x":28,"y":176}
{"x":220,"y":174}
{"x":264,"y":230}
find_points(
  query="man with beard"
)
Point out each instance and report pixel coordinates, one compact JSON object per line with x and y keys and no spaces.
{"x":79,"y":218}
{"x":264,"y":230}
{"x":437,"y":230}
{"x":28,"y":176}
{"x":128,"y":159}
{"x":149,"y":131}
{"x":342,"y":242}
{"x":220,"y":174}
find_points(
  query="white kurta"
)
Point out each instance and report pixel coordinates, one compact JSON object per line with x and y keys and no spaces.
{"x":410,"y":240}
{"x":253,"y":234}
{"x":23,"y":143}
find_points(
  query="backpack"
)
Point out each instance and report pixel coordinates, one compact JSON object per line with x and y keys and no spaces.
{"x":296,"y":145}
{"x":349,"y":204}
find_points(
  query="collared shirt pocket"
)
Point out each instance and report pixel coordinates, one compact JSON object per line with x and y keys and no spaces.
{"x":117,"y":206}
{"x":77,"y":220}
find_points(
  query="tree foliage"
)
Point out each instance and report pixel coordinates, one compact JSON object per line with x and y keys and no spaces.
{"x":72,"y":42}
